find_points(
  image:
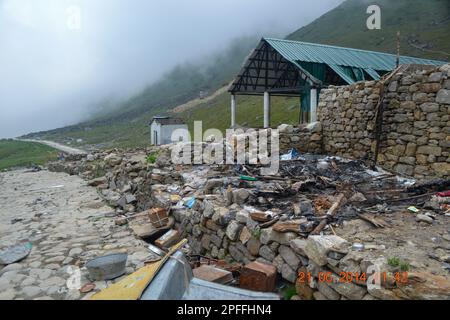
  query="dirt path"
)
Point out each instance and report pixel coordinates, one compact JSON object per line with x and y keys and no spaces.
{"x":195,"y":102}
{"x":57,"y":146}
{"x":67,"y":223}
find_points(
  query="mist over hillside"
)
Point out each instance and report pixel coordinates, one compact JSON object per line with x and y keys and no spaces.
{"x":424,"y":27}
{"x":63,"y":60}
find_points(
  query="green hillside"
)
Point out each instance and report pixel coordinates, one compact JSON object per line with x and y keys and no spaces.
{"x":21,"y":154}
{"x":424,"y":26}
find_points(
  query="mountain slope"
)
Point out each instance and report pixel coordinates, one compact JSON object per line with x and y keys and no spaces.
{"x":424,"y":26}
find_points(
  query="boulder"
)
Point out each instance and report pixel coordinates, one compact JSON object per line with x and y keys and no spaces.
{"x":233,"y":230}
{"x":253,"y":246}
{"x":347,"y":289}
{"x":240,"y":196}
{"x":242,"y":216}
{"x":298,"y":245}
{"x":212,"y":184}
{"x":223,"y":216}
{"x":443,"y":96}
{"x":266,"y":253}
{"x":245,"y":235}
{"x":98,"y":181}
{"x":208,"y":209}
{"x":285,"y":128}
{"x":327,"y":291}
{"x":268,"y":236}
{"x":289,"y":256}
{"x":288,"y":274}
{"x":426,"y":286}
{"x":317,"y":247}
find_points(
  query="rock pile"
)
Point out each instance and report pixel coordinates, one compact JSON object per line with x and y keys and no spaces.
{"x":276,"y":220}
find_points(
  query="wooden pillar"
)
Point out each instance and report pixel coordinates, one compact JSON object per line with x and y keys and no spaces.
{"x":266,"y":110}
{"x":313,"y":105}
{"x":233,"y":111}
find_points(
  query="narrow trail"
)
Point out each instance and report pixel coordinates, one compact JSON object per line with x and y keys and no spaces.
{"x":57,"y":146}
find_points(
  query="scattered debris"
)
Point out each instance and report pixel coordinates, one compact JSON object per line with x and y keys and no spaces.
{"x":258,"y":277}
{"x":213,"y":274}
{"x":168,"y":239}
{"x":88,"y":287}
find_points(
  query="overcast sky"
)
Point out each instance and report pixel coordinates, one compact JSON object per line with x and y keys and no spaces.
{"x":55,"y":64}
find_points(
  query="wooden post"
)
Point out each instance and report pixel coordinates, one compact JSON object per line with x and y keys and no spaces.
{"x":233,"y":111}
{"x":266,"y":110}
{"x":398,"y":49}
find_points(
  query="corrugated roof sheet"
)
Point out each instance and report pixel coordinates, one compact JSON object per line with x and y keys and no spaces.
{"x":296,"y":51}
{"x":167,"y":120}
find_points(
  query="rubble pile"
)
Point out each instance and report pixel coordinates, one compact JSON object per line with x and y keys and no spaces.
{"x":296,"y":221}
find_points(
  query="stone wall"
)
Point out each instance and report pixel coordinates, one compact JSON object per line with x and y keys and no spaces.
{"x":306,"y":138}
{"x":416,"y":122}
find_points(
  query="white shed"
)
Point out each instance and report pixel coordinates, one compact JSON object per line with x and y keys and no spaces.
{"x":162,"y":129}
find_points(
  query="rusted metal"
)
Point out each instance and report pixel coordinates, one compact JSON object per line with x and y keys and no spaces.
{"x":258,"y":277}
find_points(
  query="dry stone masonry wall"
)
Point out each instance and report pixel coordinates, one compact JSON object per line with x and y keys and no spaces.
{"x":415,"y":136}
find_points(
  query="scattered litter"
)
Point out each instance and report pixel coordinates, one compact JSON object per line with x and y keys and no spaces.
{"x":156,"y":250}
{"x":293,"y":154}
{"x":376,"y":221}
{"x":413,"y":209}
{"x":248,"y":178}
{"x":190,"y":203}
{"x":168,"y":239}
{"x":443,"y":194}
{"x":88,"y":287}
{"x":213,"y":274}
{"x":173,"y":188}
{"x":258,"y":277}
{"x":358,"y":246}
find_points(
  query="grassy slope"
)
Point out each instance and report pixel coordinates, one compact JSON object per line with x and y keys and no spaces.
{"x":428,"y":21}
{"x":20,"y":154}
{"x":249,"y":112}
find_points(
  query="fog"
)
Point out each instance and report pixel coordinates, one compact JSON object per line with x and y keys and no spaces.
{"x":59,"y":58}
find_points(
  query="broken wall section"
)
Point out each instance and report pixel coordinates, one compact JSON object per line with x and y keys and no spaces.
{"x":306,"y":138}
{"x":415,"y":136}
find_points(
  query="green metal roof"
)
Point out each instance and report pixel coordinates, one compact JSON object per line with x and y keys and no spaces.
{"x":296,"y":51}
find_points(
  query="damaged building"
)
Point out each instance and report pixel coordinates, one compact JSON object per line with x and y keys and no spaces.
{"x":358,"y":209}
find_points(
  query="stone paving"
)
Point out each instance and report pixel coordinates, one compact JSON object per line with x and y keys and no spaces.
{"x":68,"y":224}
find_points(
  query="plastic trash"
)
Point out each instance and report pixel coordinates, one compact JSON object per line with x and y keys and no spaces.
{"x":248,"y":178}
{"x":443,"y":194}
{"x":413,"y":209}
{"x":190,"y":203}
{"x":292,"y":154}
{"x":358,"y":246}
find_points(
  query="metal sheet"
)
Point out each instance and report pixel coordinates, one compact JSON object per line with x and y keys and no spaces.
{"x":296,"y":51}
{"x":341,"y":72}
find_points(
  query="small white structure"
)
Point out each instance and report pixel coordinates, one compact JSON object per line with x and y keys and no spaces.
{"x":165,"y":130}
